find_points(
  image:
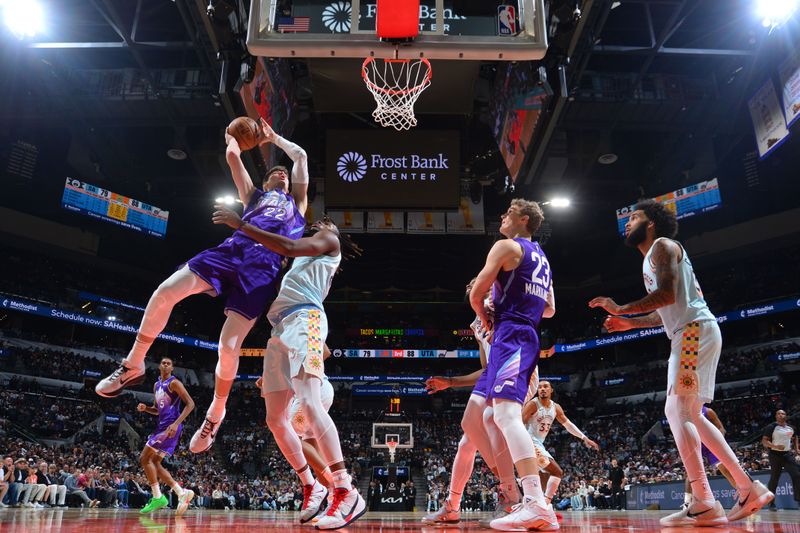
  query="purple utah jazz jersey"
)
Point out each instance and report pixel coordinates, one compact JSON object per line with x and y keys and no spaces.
{"x":169,"y":409}
{"x":520,"y":295}
{"x":273,"y":211}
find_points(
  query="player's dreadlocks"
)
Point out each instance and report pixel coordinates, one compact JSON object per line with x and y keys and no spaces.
{"x":350,"y":250}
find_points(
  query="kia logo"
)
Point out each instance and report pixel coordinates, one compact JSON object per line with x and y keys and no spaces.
{"x":351,"y":166}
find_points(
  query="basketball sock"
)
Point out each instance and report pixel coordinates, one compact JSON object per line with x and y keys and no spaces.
{"x":305,"y":475}
{"x":177,"y":489}
{"x":687,"y":440}
{"x":552,"y":487}
{"x":138,"y":352}
{"x":156,"y":489}
{"x":342,"y":480}
{"x":532,"y":488}
{"x":327,"y":477}
{"x":462,"y":466}
{"x":715,"y":441}
{"x":455,"y":500}
{"x":217,"y":407}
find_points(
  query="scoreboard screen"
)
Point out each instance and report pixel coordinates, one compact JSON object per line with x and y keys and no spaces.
{"x":692,"y":200}
{"x":112,"y":207}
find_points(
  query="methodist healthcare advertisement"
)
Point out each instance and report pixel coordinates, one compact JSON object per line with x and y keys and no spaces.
{"x":390,"y":170}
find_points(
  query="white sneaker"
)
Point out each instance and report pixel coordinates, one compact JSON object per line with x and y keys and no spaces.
{"x":122,"y":377}
{"x":347,"y":506}
{"x":184,"y":501}
{"x":696,"y":514}
{"x":503,"y":508}
{"x":527,"y":515}
{"x":445,"y":515}
{"x":758,"y":497}
{"x":203,"y":438}
{"x":314,"y":497}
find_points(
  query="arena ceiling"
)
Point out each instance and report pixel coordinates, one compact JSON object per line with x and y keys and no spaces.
{"x":661,"y":84}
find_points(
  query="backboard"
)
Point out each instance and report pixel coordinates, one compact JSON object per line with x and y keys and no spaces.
{"x":514,"y":31}
{"x":401,"y":433}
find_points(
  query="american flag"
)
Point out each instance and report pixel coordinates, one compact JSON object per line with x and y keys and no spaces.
{"x":294,"y":24}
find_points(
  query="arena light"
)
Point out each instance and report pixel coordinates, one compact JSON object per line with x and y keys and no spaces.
{"x":24,"y":19}
{"x":560,"y":202}
{"x":112,"y":318}
{"x":225,"y":200}
{"x":775,"y":12}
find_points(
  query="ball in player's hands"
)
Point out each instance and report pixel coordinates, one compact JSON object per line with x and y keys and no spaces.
{"x":246,"y":131}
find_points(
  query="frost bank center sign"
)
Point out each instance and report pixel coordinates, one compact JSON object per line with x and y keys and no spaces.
{"x":392,"y":170}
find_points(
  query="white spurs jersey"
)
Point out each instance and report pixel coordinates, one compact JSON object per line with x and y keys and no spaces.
{"x":305,"y":284}
{"x":540,"y":422}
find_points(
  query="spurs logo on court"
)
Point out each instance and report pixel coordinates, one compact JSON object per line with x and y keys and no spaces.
{"x":336,"y":17}
{"x":351,"y":166}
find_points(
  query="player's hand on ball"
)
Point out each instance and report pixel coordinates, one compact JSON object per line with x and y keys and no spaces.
{"x":591,"y":444}
{"x":436,"y":384}
{"x":267,"y":133}
{"x":141,"y":407}
{"x":172,"y":430}
{"x":613,"y":324}
{"x":606,"y":303}
{"x":223,"y":215}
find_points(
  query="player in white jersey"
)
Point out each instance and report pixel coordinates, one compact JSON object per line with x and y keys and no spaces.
{"x":675,"y":300}
{"x":474,"y":438}
{"x":538,"y":415}
{"x":293,"y":364}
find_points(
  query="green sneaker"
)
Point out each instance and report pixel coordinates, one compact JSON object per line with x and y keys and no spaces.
{"x":155,"y":504}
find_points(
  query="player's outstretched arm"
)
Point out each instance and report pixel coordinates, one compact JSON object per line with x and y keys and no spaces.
{"x":241,"y":178}
{"x":614,"y":324}
{"x":299,"y":165}
{"x":499,"y":255}
{"x":436,"y":384}
{"x":573,"y":430}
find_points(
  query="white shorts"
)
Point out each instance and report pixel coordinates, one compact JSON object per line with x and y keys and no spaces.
{"x":298,"y":417}
{"x":296,"y":344}
{"x":693,"y":360}
{"x":543,"y":457}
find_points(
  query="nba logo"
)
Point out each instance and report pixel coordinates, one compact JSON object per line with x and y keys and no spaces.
{"x":506,"y":20}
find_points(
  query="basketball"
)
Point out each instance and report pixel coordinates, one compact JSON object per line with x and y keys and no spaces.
{"x":246,"y":132}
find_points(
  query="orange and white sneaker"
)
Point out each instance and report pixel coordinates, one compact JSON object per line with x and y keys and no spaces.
{"x":526,"y":516}
{"x":444,"y":515}
{"x":313,"y":499}
{"x":184,"y":501}
{"x":758,"y":497}
{"x":347,"y":506}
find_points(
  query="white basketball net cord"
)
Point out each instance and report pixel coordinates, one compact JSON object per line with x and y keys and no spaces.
{"x":392,"y":449}
{"x":396,"y":85}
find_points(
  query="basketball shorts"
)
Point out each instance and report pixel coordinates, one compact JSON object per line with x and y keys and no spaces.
{"x":710,"y":457}
{"x":298,"y":417}
{"x":480,"y":386}
{"x":514,"y":356}
{"x":296,"y":344}
{"x":543,"y":457}
{"x":163,"y":445}
{"x":693,"y":360}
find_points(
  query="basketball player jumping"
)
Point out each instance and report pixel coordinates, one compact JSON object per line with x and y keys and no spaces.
{"x":522,"y":296}
{"x":240,"y":267}
{"x":293,"y":364}
{"x":169,"y":392}
{"x":675,"y":300}
{"x":474,"y":438}
{"x":538,"y":415}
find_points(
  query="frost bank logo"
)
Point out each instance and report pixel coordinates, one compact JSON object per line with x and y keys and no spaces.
{"x":351,"y":166}
{"x":336,"y":17}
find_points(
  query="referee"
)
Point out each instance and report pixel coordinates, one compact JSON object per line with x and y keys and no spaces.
{"x":779,"y":438}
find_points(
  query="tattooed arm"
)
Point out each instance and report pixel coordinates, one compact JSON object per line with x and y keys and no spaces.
{"x":614,"y":324}
{"x":665,"y":257}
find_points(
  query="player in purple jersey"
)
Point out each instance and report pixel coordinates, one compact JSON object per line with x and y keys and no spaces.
{"x":240,"y":267}
{"x":168,"y":395}
{"x":522,"y":292}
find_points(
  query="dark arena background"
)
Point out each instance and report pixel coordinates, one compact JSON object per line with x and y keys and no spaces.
{"x":113,"y":156}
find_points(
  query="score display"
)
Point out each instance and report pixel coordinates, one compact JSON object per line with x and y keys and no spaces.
{"x":97,"y":202}
{"x":692,"y":200}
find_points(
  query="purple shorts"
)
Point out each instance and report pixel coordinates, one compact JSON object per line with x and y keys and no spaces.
{"x":514,"y":356}
{"x":710,"y":457}
{"x":243,"y":270}
{"x":481,"y":385}
{"x":165,"y":446}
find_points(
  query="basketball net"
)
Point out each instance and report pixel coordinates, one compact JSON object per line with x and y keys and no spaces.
{"x":392,"y":449}
{"x":396,"y":84}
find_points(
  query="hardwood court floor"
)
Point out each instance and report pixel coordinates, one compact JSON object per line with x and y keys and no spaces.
{"x":119,"y":521}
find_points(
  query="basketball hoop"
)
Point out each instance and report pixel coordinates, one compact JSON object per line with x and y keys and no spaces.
{"x":392,"y":445}
{"x":396,"y":84}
